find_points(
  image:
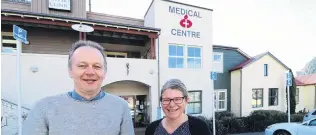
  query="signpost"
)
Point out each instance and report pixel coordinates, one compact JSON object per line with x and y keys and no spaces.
{"x":21,"y":36}
{"x":288,"y":84}
{"x":213,"y":77}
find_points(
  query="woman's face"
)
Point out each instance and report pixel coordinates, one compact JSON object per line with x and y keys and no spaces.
{"x":173,"y":103}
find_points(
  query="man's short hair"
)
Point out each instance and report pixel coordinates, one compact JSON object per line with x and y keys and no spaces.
{"x":82,"y":43}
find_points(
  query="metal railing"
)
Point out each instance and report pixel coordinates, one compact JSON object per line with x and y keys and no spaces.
{"x":20,"y":1}
{"x":9,"y":117}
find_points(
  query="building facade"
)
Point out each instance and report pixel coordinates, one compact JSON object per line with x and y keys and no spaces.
{"x":224,"y":59}
{"x":305,"y":92}
{"x":258,"y":84}
{"x":142,"y":54}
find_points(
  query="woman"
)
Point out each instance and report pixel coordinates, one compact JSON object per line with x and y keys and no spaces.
{"x":174,"y":98}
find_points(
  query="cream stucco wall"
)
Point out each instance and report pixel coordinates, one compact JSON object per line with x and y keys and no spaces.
{"x":253,"y":77}
{"x":52,"y":77}
{"x":235,"y":92}
{"x":307,"y":97}
{"x":194,"y":79}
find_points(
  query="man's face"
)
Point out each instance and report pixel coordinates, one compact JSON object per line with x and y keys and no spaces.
{"x":87,"y":70}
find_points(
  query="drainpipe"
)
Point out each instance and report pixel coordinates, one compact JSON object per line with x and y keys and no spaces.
{"x":89,"y":5}
{"x":240,"y":101}
{"x":158,"y":74}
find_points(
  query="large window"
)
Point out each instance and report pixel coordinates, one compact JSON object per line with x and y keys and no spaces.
{"x":176,"y":56}
{"x":194,"y":57}
{"x":220,"y":97}
{"x":195,"y":104}
{"x":297,"y":95}
{"x":273,"y":96}
{"x":257,"y":98}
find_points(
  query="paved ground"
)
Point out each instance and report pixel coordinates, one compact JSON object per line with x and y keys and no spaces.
{"x":141,"y":131}
{"x":256,"y":133}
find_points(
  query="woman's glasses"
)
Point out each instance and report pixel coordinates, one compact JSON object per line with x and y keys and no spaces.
{"x":177,"y":100}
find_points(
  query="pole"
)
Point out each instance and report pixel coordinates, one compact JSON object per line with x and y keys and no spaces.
{"x":214,"y":129}
{"x":288,"y":104}
{"x":18,"y":77}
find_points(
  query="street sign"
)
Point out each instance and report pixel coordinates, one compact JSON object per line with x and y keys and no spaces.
{"x":288,"y":79}
{"x":213,"y":75}
{"x":20,"y":34}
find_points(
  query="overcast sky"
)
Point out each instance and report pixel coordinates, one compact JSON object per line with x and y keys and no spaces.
{"x":286,"y":28}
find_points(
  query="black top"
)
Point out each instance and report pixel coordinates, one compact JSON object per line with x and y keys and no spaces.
{"x":196,"y":126}
{"x":183,"y":129}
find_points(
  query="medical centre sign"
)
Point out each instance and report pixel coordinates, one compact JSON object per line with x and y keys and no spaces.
{"x":185,"y":22}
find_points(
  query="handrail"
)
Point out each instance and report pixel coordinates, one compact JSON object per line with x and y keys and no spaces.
{"x":14,"y":104}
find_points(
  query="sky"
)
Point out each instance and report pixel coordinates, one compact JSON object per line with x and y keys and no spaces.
{"x":286,"y":28}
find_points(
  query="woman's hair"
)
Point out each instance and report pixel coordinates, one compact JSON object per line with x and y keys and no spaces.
{"x":175,"y":84}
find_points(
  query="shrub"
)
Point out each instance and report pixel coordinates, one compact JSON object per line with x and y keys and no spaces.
{"x":221,"y":115}
{"x":257,"y":121}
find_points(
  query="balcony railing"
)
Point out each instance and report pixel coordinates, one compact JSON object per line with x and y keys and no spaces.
{"x":20,"y":1}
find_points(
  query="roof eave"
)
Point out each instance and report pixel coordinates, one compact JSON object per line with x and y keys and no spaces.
{"x":77,"y":20}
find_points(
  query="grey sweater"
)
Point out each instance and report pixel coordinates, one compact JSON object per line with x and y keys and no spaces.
{"x":63,"y":115}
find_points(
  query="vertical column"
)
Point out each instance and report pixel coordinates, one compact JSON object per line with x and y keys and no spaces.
{"x":80,"y":35}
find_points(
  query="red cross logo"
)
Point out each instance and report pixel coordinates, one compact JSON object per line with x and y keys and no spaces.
{"x":185,"y":22}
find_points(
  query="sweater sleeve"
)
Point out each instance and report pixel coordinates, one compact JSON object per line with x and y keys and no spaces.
{"x":127,"y":127}
{"x":35,"y":123}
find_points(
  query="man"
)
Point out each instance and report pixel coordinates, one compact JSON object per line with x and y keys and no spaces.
{"x":86,"y":110}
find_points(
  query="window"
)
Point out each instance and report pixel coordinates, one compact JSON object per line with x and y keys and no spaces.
{"x":8,"y":42}
{"x":194,"y":57}
{"x":312,"y":123}
{"x":220,"y":98}
{"x":176,"y":56}
{"x":195,"y":104}
{"x":217,"y":57}
{"x":257,"y":98}
{"x":273,"y":97}
{"x":297,"y":95}
{"x":265,"y":69}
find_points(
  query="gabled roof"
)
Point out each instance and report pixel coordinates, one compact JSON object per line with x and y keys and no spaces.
{"x":254,"y":59}
{"x":231,"y":48}
{"x":306,"y":80}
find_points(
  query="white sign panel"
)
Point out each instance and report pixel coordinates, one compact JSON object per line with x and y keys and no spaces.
{"x":60,"y":4}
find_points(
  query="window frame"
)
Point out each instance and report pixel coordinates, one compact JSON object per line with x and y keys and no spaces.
{"x":194,"y":58}
{"x":217,"y":100}
{"x":297,"y":94}
{"x":265,"y":70}
{"x":277,"y":96}
{"x":201,"y":103}
{"x":183,"y":57}
{"x":262,"y":98}
{"x":218,"y":53}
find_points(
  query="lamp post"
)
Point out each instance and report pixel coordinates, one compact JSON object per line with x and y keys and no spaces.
{"x":83,"y":29}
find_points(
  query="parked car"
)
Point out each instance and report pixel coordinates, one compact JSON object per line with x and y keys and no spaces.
{"x":310,"y":115}
{"x":305,"y":128}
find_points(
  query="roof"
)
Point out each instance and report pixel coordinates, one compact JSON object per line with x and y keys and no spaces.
{"x":77,"y":20}
{"x":306,"y":80}
{"x":231,"y":48}
{"x":256,"y":58}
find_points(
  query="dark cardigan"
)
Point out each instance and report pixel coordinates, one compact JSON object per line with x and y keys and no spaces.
{"x":196,"y":125}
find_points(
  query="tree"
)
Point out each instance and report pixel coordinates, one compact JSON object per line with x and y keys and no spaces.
{"x":310,"y":67}
{"x":292,"y":95}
